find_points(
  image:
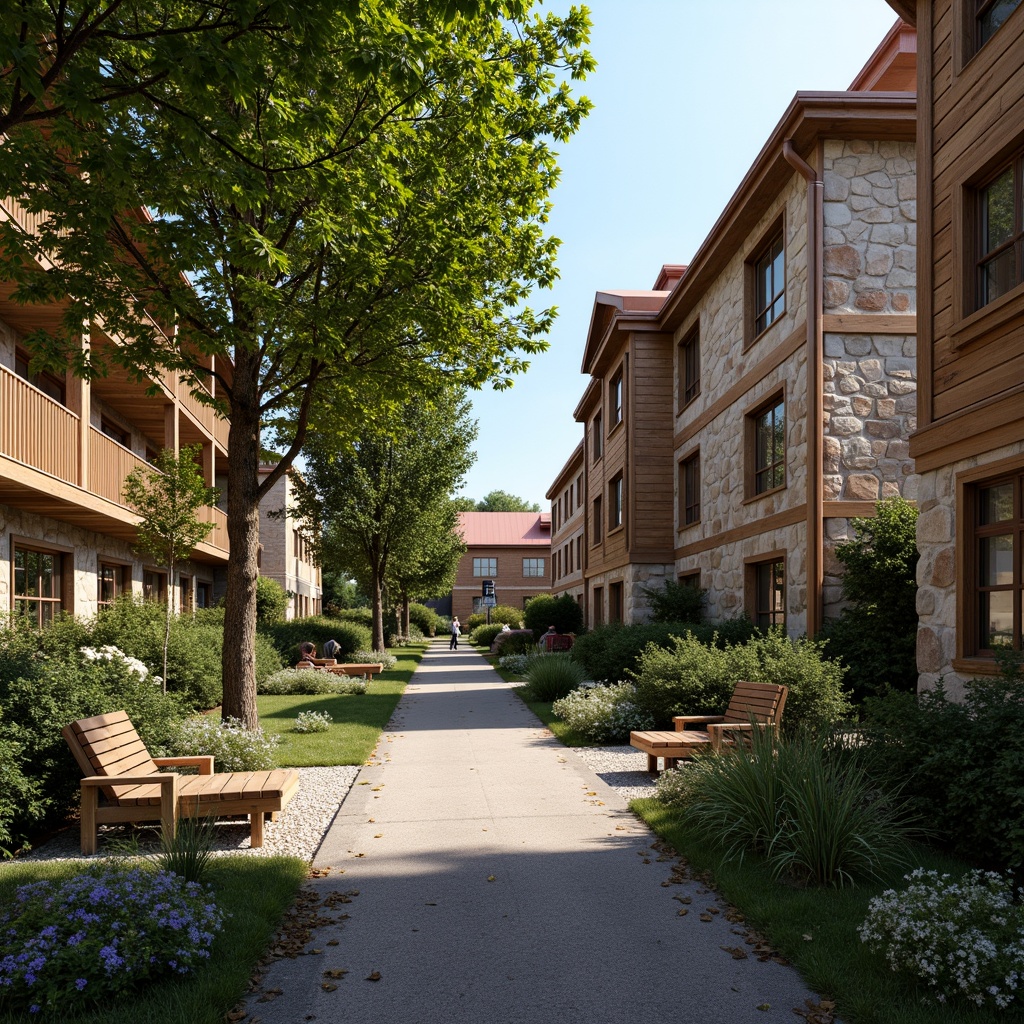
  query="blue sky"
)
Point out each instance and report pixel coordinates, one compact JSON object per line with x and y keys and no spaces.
{"x":684,"y":100}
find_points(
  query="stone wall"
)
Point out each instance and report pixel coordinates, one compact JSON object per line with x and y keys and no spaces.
{"x":87,"y":548}
{"x":870,"y":238}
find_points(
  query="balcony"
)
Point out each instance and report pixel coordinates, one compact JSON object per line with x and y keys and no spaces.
{"x":37,"y":431}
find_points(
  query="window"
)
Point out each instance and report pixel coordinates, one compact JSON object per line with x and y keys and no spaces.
{"x":615,"y":399}
{"x":770,"y":594}
{"x":533,"y":566}
{"x":689,"y":579}
{"x":187,"y":603}
{"x":769,"y":284}
{"x":597,"y":524}
{"x":615,"y":602}
{"x":579,"y":553}
{"x":598,"y":606}
{"x":596,"y":440}
{"x":767,"y":429}
{"x":689,"y":490}
{"x":50,"y":384}
{"x":1000,"y":235}
{"x":154,"y":586}
{"x":111,"y":582}
{"x":115,"y":433}
{"x":615,"y":502}
{"x":989,"y":16}
{"x":38,"y":584}
{"x":996,"y":546}
{"x":485,"y":567}
{"x":689,"y":368}
{"x":204,"y":595}
{"x":579,"y":490}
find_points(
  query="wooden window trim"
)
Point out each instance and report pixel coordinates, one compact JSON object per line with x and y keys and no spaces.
{"x":597,"y":520}
{"x":775,"y":231}
{"x":685,"y":498}
{"x":750,"y":423}
{"x":616,"y":502}
{"x":751,"y":565}
{"x":616,"y":413}
{"x":597,"y":437}
{"x":64,"y":575}
{"x":689,"y":368}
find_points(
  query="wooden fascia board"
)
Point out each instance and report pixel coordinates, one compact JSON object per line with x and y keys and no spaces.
{"x":810,"y":116}
{"x":906,"y":9}
{"x":568,"y":473}
{"x":591,"y":396}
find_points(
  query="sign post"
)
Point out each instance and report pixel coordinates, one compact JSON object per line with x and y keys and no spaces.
{"x":489,"y":601}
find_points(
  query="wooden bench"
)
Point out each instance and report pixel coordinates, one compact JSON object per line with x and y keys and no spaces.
{"x":117,"y":765}
{"x":750,"y":704}
{"x":365,"y":669}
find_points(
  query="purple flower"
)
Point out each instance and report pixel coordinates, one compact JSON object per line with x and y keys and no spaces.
{"x":80,"y":983}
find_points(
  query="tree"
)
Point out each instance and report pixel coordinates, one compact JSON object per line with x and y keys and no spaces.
{"x":375,"y":498}
{"x":502,"y":501}
{"x":334,"y":209}
{"x":562,"y":612}
{"x":167,"y":496}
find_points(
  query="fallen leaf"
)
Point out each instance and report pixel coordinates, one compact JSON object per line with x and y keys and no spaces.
{"x":490,"y":878}
{"x":236,"y":1015}
{"x":682,"y":912}
{"x":683,"y":899}
{"x":735,"y":952}
{"x":765,"y":1006}
{"x":339,"y":973}
{"x":328,"y":986}
{"x":333,"y":942}
{"x":706,"y":917}
{"x":379,"y":835}
{"x":375,"y":976}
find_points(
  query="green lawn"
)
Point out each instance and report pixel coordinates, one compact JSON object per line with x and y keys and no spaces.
{"x":358,"y":718}
{"x":817,"y":930}
{"x":254,"y":891}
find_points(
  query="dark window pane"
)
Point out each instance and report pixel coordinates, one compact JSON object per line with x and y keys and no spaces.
{"x":996,"y":618}
{"x":992,"y":15}
{"x":996,"y":561}
{"x":997,"y":212}
{"x":996,"y":504}
{"x":998,"y":275}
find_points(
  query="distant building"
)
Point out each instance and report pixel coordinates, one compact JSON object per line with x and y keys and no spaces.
{"x":511,"y":548}
{"x":568,"y":517}
{"x":285,"y":554}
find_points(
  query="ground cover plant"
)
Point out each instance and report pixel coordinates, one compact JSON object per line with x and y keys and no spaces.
{"x":357,"y":719}
{"x":603,"y":714}
{"x":312,"y":721}
{"x":308,"y":680}
{"x":253,"y":894}
{"x":233,"y":748}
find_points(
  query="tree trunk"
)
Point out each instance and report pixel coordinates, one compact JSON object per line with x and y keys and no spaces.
{"x":405,"y":615}
{"x":239,"y":659}
{"x":167,"y":619}
{"x":377,"y":602}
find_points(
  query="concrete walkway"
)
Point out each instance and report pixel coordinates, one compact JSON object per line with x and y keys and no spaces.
{"x":482,"y":874}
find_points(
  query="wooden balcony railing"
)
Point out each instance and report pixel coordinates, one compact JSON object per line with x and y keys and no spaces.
{"x":36,"y":430}
{"x":28,"y":222}
{"x":109,"y":464}
{"x":218,"y":537}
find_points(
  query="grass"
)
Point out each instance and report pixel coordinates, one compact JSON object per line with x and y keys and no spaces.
{"x":542,"y":709}
{"x":255,"y":892}
{"x":816,"y":928}
{"x":358,"y":719}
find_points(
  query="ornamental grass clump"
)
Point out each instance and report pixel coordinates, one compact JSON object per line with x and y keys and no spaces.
{"x":962,"y":938}
{"x":233,"y":747}
{"x":313,"y":721}
{"x":550,"y":677}
{"x":97,"y":936}
{"x":309,"y":681}
{"x":603,"y":714}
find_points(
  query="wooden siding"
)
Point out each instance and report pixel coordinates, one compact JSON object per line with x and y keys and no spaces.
{"x":36,"y":430}
{"x":109,"y":464}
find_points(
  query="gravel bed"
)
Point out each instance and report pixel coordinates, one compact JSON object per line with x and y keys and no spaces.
{"x":298,"y":833}
{"x":623,"y":768}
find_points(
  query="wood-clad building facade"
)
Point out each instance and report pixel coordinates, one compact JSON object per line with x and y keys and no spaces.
{"x":740,"y":413}
{"x":969,"y":445}
{"x":568,"y":515}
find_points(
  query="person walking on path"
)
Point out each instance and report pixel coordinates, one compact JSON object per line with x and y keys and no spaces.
{"x":454,"y":645}
{"x":479,"y":871}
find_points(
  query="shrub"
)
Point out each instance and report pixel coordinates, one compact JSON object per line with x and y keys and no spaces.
{"x":514,"y":664}
{"x":515,"y":641}
{"x":483,"y":636}
{"x":286,"y":636}
{"x":95,"y":937}
{"x":426,"y":619}
{"x":313,"y":721}
{"x":676,"y":602}
{"x":610,"y":651}
{"x":271,"y":601}
{"x":564,"y":613}
{"x":876,"y":636}
{"x":603,"y":714}
{"x":804,"y":803}
{"x":52,"y":694}
{"x":234,"y":748}
{"x":268,"y":661}
{"x":958,"y":764}
{"x":389,"y":661}
{"x":552,"y":676}
{"x":309,"y":681}
{"x":695,"y":678}
{"x":963,"y":938}
{"x":678,"y":787}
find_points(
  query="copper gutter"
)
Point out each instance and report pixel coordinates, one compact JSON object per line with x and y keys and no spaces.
{"x":815,"y":403}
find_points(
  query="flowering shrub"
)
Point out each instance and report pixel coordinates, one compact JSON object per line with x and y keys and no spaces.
{"x":603,"y":714}
{"x":678,"y":787}
{"x":962,"y":937}
{"x":108,"y":652}
{"x":313,"y":721}
{"x":99,"y":935}
{"x":514,"y":664}
{"x":307,"y":680}
{"x":234,"y":748}
{"x":389,"y":661}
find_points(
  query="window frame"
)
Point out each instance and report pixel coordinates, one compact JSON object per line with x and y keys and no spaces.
{"x":597,"y":436}
{"x":980,"y":8}
{"x":44,"y":608}
{"x":616,"y":502}
{"x":979,"y":298}
{"x":689,"y":490}
{"x":597,"y":521}
{"x":759,"y":571}
{"x":616,"y":601}
{"x":755,"y":311}
{"x":689,"y":367}
{"x":43,"y":380}
{"x":150,"y":574}
{"x":533,"y":574}
{"x":122,"y":582}
{"x":754,"y":471}
{"x":616,"y":400}
{"x":485,"y":574}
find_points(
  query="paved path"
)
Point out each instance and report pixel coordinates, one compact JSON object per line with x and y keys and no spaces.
{"x":492,"y":878}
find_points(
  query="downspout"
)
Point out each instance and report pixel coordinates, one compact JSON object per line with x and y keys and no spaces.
{"x":815,"y":403}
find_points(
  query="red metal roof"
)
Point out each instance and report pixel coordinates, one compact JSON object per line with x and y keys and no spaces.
{"x":506,"y":529}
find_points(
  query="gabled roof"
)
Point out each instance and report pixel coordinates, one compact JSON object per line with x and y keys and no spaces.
{"x":893,"y":65}
{"x":609,"y":306}
{"x":568,"y":472}
{"x":505,"y":529}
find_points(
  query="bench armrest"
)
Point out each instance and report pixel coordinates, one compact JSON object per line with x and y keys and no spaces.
{"x":716,"y":732}
{"x":204,"y":762}
{"x":160,"y":778}
{"x":682,"y":721}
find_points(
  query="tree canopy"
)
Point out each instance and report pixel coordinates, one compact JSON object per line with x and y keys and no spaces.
{"x":307,"y":217}
{"x":498,"y":501}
